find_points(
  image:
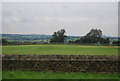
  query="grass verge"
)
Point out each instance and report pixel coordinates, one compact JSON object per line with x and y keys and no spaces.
{"x":56,"y":75}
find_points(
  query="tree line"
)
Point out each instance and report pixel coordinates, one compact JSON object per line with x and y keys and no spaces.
{"x":94,"y":36}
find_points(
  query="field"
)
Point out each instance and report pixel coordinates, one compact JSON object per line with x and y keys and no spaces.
{"x":56,"y":75}
{"x":59,"y":50}
{"x":51,"y":49}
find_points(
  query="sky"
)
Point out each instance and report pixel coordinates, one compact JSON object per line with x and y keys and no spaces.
{"x":60,"y":0}
{"x":77,"y":18}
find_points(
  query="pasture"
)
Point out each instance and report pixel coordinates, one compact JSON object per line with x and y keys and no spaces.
{"x":53,"y":49}
{"x":56,"y":75}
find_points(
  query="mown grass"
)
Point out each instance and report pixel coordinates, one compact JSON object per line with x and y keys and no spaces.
{"x":56,"y":75}
{"x":60,"y":50}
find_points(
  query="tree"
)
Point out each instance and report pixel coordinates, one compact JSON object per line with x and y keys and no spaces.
{"x":94,"y":33}
{"x":94,"y":36}
{"x":59,"y":36}
{"x":4,"y":42}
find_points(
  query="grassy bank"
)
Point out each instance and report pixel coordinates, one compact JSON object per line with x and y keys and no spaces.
{"x":60,"y":49}
{"x":56,"y":75}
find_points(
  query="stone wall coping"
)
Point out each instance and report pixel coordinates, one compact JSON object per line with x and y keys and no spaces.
{"x":62,"y":57}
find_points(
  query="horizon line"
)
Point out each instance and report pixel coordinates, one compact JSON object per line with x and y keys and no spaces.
{"x":49,"y":34}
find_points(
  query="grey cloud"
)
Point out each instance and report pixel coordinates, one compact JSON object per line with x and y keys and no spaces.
{"x":45,"y":18}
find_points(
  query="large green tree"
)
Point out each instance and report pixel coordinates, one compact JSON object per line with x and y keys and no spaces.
{"x":94,"y":33}
{"x":94,"y":36}
{"x":59,"y":36}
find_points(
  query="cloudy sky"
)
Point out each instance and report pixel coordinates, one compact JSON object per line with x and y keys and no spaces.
{"x":77,"y":18}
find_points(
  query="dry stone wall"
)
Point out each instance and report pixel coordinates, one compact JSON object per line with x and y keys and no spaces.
{"x":66,"y":63}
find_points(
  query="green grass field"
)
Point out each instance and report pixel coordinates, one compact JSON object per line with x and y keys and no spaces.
{"x":56,"y":75}
{"x":60,"y":50}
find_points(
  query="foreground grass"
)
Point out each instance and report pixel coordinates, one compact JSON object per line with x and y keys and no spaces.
{"x":60,"y":49}
{"x":56,"y":75}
